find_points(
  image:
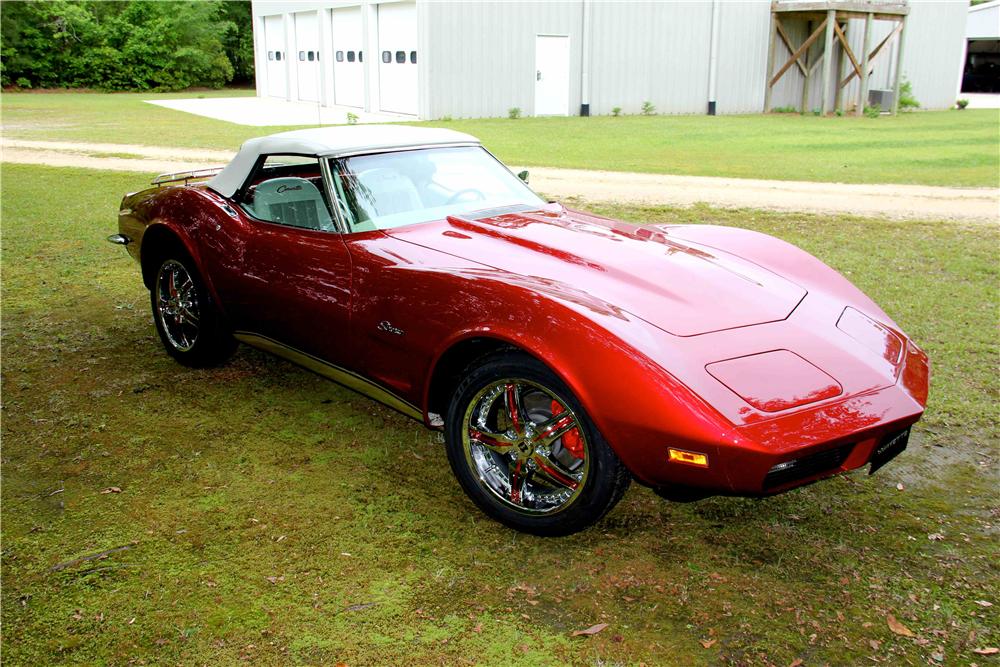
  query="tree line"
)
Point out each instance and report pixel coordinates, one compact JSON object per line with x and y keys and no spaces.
{"x":125,"y":45}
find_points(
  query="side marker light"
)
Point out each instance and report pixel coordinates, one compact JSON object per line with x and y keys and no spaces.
{"x":690,"y":458}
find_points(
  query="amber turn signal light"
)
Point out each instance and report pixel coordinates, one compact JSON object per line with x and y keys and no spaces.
{"x":691,"y":458}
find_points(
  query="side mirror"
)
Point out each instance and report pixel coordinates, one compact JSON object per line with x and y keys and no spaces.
{"x":523,"y":175}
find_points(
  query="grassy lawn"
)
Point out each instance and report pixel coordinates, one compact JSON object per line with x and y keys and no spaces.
{"x":273,"y":517}
{"x":933,"y":148}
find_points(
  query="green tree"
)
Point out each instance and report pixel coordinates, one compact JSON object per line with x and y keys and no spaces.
{"x":133,"y":45}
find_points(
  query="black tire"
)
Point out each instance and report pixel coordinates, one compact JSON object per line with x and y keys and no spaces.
{"x":478,"y":466}
{"x":206,"y":343}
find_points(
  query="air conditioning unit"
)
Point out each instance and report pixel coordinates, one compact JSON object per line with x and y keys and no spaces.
{"x":881,"y":99}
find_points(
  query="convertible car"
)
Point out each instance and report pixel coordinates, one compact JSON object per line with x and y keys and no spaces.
{"x":563,"y":354}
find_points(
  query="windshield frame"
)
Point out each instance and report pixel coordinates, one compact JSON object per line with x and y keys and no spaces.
{"x":329,"y":168}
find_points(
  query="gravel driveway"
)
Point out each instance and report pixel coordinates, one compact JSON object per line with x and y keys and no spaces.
{"x":979,"y":205}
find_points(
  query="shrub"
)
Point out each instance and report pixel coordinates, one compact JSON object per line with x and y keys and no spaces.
{"x":446,"y":119}
{"x":617,"y":111}
{"x":352,"y":118}
{"x":907,"y":102}
{"x":784,"y":110}
{"x":648,"y":109}
{"x":962,"y":103}
{"x":873,"y":112}
{"x":514,"y":113}
{"x":130,"y":45}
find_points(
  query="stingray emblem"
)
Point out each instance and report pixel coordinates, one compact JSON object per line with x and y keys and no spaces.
{"x":386,"y":326}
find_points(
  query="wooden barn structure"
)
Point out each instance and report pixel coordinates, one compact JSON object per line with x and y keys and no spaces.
{"x":827,"y":46}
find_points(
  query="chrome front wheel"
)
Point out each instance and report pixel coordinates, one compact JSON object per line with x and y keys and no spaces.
{"x":525,"y":451}
{"x":525,"y":445}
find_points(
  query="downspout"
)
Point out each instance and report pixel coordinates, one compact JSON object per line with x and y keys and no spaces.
{"x":585,"y":61}
{"x":713,"y":58}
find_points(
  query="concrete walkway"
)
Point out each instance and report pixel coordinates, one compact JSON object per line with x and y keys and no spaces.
{"x":264,"y":111}
{"x":977,"y":205}
{"x":982,"y":100}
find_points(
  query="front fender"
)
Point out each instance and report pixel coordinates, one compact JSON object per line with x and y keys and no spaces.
{"x":594,"y":348}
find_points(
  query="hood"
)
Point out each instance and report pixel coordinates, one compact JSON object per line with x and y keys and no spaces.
{"x":679,"y":286}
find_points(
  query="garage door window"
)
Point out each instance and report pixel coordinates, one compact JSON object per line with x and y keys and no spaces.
{"x":413,"y":57}
{"x":400,"y":57}
{"x":311,"y":56}
{"x":350,"y":56}
{"x":340,"y":56}
{"x":270,"y":55}
{"x":386,"y":57}
{"x":277,"y":55}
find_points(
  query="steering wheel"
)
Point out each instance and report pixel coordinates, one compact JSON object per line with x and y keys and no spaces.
{"x":455,"y":197}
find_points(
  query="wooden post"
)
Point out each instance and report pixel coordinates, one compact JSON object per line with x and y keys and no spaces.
{"x":838,"y":98}
{"x":899,"y":68}
{"x":863,"y":86}
{"x":831,"y":17}
{"x":807,"y":76}
{"x":772,"y":45}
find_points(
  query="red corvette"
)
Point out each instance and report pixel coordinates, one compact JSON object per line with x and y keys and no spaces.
{"x":562,"y":353}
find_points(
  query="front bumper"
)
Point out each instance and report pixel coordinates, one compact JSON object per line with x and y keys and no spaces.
{"x":803,"y":446}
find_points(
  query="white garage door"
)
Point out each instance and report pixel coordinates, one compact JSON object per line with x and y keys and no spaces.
{"x":397,"y":66}
{"x":348,"y":67}
{"x":274,"y":43}
{"x":307,"y":55}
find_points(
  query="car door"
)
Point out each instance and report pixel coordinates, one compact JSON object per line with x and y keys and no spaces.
{"x":296,"y":278}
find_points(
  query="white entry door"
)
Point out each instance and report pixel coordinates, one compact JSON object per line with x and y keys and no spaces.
{"x":307,"y":55}
{"x":397,"y":65}
{"x":348,"y":60}
{"x":551,"y":75}
{"x":274,"y":43}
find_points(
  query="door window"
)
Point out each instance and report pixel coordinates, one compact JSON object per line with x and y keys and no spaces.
{"x":288,"y":190}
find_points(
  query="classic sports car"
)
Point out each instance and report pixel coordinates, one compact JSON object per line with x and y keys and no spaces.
{"x":562,"y":353}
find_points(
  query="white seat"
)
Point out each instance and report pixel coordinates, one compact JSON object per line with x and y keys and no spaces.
{"x":394,"y":192}
{"x":292,"y":201}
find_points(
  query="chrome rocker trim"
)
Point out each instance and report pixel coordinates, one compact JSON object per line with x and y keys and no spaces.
{"x":341,"y":376}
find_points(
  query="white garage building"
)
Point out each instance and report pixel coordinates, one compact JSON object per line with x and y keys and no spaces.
{"x":469,"y":59}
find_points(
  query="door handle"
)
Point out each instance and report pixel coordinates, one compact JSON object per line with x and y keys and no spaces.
{"x":538,"y":75}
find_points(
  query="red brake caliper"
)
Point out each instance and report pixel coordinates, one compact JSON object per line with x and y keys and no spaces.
{"x":571,"y":440}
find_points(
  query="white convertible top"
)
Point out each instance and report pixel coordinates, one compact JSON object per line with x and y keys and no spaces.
{"x":330,"y":142}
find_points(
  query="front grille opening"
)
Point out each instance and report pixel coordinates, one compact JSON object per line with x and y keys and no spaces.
{"x":807,"y":466}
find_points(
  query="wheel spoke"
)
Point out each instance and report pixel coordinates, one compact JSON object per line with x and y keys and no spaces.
{"x":172,"y":283}
{"x":189,"y":316}
{"x":549,"y":471}
{"x":515,"y":410}
{"x":498,"y":442}
{"x":516,"y":483}
{"x":554,"y":428}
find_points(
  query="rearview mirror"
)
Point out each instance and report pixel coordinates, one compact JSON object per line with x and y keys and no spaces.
{"x":523,"y":175}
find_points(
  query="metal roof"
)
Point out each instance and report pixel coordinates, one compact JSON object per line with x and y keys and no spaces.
{"x":331,"y":142}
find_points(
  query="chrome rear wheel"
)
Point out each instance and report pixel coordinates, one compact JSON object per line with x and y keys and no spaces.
{"x":177,"y":305}
{"x":187,"y":320}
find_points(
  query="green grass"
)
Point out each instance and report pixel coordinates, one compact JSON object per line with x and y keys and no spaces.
{"x":932,"y":148}
{"x":260,"y":470}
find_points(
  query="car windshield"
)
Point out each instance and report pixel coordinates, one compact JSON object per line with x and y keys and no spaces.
{"x":393,"y":189}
